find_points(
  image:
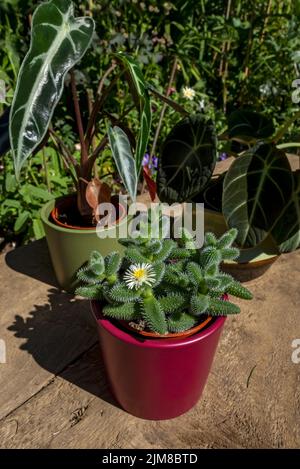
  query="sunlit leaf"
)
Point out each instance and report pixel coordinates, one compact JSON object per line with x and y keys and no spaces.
{"x":58,"y":41}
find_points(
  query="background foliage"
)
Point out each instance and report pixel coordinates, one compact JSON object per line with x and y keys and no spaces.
{"x":233,"y":53}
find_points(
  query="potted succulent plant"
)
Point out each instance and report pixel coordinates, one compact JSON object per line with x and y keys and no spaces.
{"x":58,"y":42}
{"x":259,"y":194}
{"x":160,"y":308}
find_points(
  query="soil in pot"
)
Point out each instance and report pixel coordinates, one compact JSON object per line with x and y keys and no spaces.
{"x":66,"y":214}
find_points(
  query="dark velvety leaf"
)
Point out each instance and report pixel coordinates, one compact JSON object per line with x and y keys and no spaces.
{"x":257,"y":187}
{"x":248,"y":126}
{"x":187,"y":160}
{"x":286,"y":230}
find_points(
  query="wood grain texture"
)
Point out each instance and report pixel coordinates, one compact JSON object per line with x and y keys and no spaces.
{"x":252,"y":398}
{"x":43,"y":328}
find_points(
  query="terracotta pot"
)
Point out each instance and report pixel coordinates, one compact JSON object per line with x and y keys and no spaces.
{"x":152,"y":378}
{"x":70,"y":246}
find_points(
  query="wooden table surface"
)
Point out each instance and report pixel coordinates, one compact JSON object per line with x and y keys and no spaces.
{"x":54,"y":393}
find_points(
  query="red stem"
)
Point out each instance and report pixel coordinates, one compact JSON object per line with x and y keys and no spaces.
{"x":84,"y":152}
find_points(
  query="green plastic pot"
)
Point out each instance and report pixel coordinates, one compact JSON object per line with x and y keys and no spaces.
{"x":70,"y":248}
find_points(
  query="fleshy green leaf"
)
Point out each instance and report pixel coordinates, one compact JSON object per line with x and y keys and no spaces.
{"x":122,"y":294}
{"x":112,"y":263}
{"x":180,"y":322}
{"x":154,"y":316}
{"x":125,"y":162}
{"x":222,"y":308}
{"x":199,"y":304}
{"x":58,"y":41}
{"x":227,"y":238}
{"x":238,"y":290}
{"x":172,"y":303}
{"x":96,"y":263}
{"x":125,"y":311}
{"x":91,"y":292}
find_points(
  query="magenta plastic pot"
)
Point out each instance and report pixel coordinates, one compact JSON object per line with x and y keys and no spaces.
{"x":156,"y":379}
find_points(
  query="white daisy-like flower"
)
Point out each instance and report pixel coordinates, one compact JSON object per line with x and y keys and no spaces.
{"x":138,"y":275}
{"x":188,"y":93}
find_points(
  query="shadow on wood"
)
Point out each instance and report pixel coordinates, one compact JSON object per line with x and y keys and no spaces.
{"x":34,"y":261}
{"x":53,"y":331}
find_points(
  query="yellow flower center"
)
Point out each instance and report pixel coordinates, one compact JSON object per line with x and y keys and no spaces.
{"x":139,"y":274}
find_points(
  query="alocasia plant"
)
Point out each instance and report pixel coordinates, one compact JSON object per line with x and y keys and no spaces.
{"x":58,"y":42}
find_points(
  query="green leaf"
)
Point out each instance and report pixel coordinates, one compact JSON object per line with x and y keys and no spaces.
{"x":96,"y":263}
{"x":38,"y":229}
{"x":195,"y":273}
{"x":257,"y":187}
{"x":140,"y":94}
{"x":58,"y":41}
{"x":286,"y":230}
{"x":125,"y":312}
{"x":21,"y":221}
{"x":230,"y":253}
{"x":159,"y":270}
{"x":124,"y":159}
{"x":172,"y":303}
{"x":227,"y":238}
{"x":187,"y":160}
{"x":248,"y":126}
{"x":209,"y":257}
{"x":112,"y":263}
{"x":238,"y":290}
{"x":210,"y":239}
{"x":180,"y":322}
{"x":166,"y":249}
{"x":134,"y":255}
{"x":122,"y":294}
{"x":222,"y":307}
{"x":91,"y":292}
{"x":10,"y":182}
{"x":86,"y":274}
{"x":199,"y":304}
{"x":154,"y":316}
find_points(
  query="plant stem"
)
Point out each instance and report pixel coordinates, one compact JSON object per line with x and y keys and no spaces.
{"x":95,"y":153}
{"x":164,"y":107}
{"x":93,"y":143}
{"x":99,"y":99}
{"x":64,"y":149}
{"x":84,"y":152}
{"x":46,"y":170}
{"x":285,"y":127}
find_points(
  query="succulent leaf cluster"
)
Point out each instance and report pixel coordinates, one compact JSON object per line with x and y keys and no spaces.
{"x":186,"y":282}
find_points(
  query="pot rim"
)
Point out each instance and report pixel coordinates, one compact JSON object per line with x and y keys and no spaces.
{"x":170,"y":335}
{"x":47,"y":208}
{"x":142,"y":341}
